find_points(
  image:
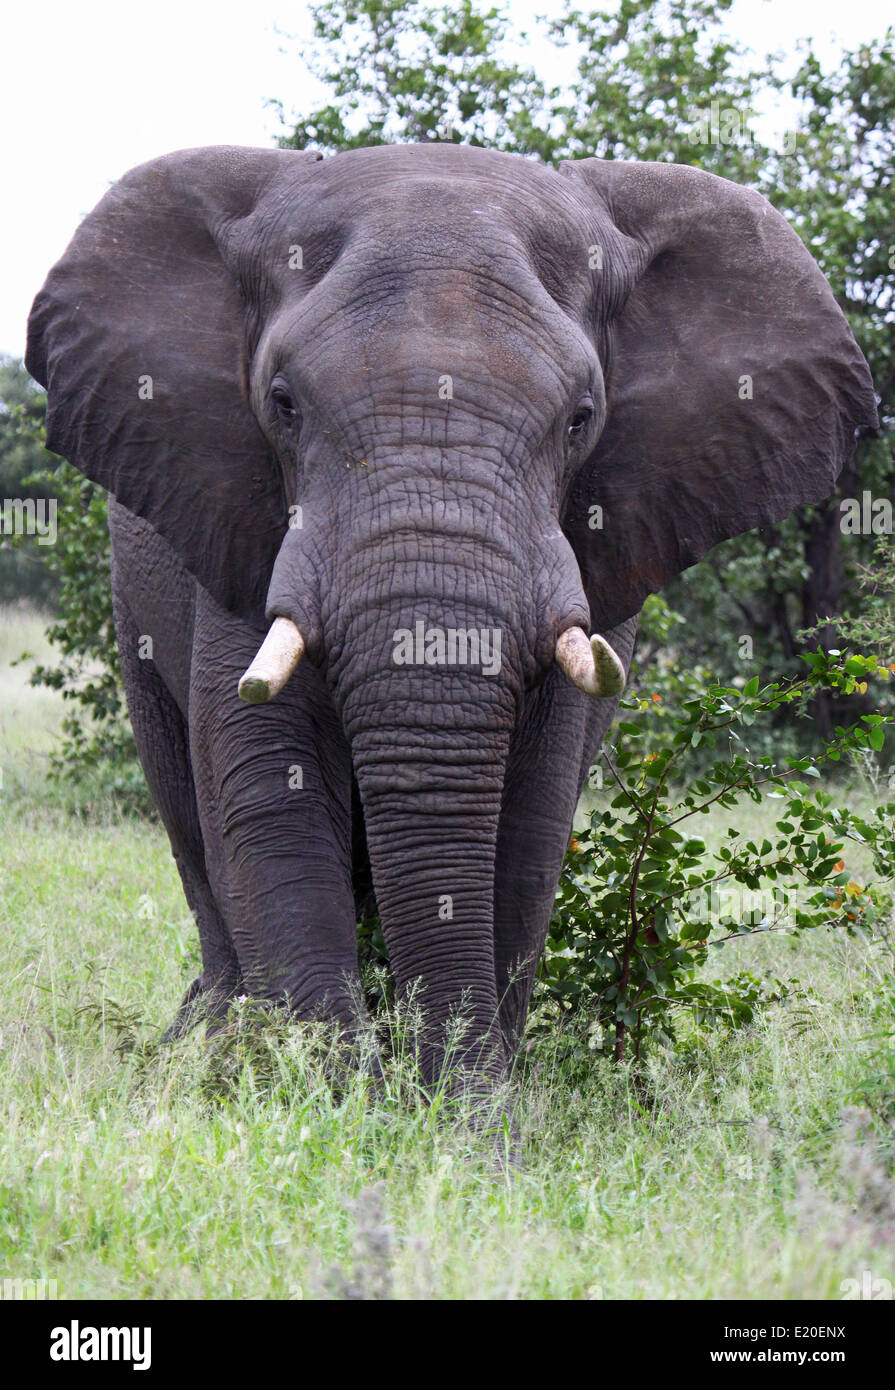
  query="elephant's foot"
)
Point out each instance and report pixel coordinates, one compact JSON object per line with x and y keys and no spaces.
{"x":202,"y":1002}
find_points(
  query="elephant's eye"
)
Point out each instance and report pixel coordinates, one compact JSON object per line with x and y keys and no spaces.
{"x":579,"y":422}
{"x":283,"y":403}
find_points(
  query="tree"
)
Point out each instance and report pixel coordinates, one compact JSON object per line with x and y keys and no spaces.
{"x":401,"y":70}
{"x":836,"y":187}
{"x":659,"y":83}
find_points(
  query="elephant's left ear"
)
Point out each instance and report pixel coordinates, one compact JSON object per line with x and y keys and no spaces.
{"x":735,"y":391}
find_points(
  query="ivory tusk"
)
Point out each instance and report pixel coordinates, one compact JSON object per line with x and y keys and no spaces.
{"x":278,"y":656}
{"x":590,"y":663}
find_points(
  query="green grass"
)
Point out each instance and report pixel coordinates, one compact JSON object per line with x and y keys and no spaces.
{"x":755,"y":1164}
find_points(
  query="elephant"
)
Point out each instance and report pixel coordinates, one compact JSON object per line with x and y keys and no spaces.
{"x":398,"y":441}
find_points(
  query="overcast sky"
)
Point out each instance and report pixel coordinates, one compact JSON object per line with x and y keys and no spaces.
{"x":93,"y":87}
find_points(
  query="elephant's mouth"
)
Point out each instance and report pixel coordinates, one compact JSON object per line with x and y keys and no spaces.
{"x":590,"y":663}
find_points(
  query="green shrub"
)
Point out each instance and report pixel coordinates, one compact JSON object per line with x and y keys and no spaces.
{"x":97,"y":748}
{"x":642,"y":900}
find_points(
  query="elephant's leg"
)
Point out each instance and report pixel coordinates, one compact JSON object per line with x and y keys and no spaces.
{"x":555,"y":744}
{"x":210,"y":994}
{"x":163,"y":746}
{"x":274,"y":792}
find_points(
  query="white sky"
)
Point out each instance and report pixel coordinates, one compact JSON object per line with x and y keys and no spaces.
{"x":90,"y":89}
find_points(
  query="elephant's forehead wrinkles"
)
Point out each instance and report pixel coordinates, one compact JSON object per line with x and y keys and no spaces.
{"x":497,"y":302}
{"x":531,"y":207}
{"x":413,"y":227}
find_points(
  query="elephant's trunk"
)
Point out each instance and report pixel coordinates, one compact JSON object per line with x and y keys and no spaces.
{"x":431,"y":825}
{"x":429,"y":705}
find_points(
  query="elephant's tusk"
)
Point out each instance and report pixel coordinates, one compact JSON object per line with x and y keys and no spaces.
{"x":590,"y":663}
{"x":278,"y":656}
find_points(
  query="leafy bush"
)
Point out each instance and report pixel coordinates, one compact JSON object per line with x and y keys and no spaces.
{"x":641,"y":900}
{"x":97,"y":748}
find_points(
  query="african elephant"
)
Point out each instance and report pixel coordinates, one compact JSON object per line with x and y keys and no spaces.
{"x":434,"y":413}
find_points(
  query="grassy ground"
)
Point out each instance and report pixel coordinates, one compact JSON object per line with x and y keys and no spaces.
{"x":754,"y":1165}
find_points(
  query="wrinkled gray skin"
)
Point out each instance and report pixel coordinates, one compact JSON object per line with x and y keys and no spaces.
{"x":597,"y":325}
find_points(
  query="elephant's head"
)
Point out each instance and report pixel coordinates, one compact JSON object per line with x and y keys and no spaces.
{"x":437,"y":412}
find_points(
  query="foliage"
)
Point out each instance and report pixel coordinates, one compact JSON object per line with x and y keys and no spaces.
{"x":667,"y":682}
{"x":22,"y":575}
{"x":641,"y":900}
{"x":97,"y":744}
{"x":647,"y":79}
{"x":874,"y":627}
{"x":834,"y":181}
{"x":403,"y":70}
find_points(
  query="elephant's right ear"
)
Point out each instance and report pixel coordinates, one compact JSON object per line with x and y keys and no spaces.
{"x":139,"y":337}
